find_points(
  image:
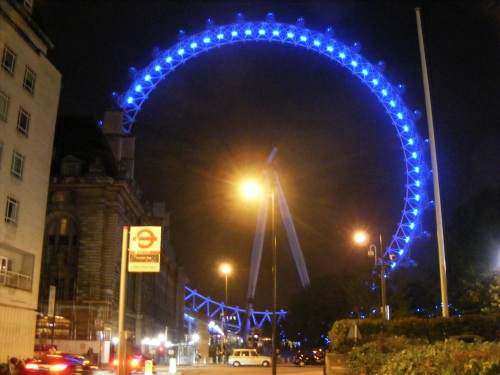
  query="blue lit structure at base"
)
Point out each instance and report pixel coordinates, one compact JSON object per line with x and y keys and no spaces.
{"x":235,"y":317}
{"x":311,"y":41}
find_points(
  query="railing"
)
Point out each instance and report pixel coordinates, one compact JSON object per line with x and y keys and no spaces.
{"x":15,"y":280}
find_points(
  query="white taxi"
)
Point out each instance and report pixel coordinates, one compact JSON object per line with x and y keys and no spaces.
{"x":248,"y":357}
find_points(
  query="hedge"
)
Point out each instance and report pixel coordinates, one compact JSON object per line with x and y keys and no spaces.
{"x":434,"y":329}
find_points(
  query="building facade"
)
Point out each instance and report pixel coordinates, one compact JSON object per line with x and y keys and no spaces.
{"x":29,"y":99}
{"x":92,"y":196}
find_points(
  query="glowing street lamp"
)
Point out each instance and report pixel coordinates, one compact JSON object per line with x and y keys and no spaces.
{"x":250,"y":189}
{"x":361,"y":238}
{"x":226,"y":270}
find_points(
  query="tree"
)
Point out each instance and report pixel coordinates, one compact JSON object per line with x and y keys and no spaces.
{"x":494,"y":297}
{"x":315,"y":308}
{"x":472,"y":246}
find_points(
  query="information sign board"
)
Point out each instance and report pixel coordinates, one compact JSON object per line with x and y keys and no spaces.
{"x":144,"y":249}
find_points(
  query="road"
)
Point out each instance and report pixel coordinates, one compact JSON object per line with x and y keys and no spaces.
{"x":248,"y":370}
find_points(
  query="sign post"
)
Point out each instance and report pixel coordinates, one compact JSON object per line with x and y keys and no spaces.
{"x":143,"y":256}
{"x":122,"y":343}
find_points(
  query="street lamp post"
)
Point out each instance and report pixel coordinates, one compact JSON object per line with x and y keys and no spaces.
{"x":274,"y":264}
{"x":226,"y":270}
{"x":379,"y":261}
{"x":251,"y":190}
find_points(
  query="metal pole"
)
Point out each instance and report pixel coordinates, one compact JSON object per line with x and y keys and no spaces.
{"x":273,"y":224}
{"x":435,"y":176}
{"x":122,"y":343}
{"x":383,"y":282}
{"x":226,"y":291}
{"x":376,"y":263}
{"x":225,"y":325}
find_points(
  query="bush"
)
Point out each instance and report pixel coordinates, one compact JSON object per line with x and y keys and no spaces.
{"x":420,"y":346}
{"x":370,"y":357}
{"x":433,"y":330}
{"x":442,"y":358}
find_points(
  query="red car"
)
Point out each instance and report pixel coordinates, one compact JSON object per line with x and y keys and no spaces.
{"x":60,"y":363}
{"x":135,"y":362}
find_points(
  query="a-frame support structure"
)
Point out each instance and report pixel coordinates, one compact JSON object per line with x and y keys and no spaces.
{"x":272,"y":187}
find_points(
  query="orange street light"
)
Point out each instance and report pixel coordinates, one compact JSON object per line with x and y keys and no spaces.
{"x":250,"y":189}
{"x":362,"y":238}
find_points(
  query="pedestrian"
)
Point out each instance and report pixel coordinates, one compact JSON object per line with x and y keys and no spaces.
{"x":224,"y":356}
{"x":90,"y":353}
{"x":218,"y":354}
{"x":197,"y":357}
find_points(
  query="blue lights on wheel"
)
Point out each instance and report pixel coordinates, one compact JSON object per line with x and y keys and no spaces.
{"x":325,"y":45}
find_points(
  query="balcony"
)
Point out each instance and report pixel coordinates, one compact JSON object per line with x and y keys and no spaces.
{"x":15,"y":280}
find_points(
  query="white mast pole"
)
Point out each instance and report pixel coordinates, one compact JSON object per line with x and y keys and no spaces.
{"x":435,"y":176}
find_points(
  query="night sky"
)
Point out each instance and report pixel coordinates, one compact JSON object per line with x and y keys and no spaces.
{"x":214,"y":121}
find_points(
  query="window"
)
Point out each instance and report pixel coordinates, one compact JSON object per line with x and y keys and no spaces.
{"x":4,"y":106}
{"x":71,"y":166}
{"x":17,"y":166}
{"x":60,"y":257}
{"x":28,"y":5}
{"x":29,"y":80}
{"x":23,"y":121}
{"x":11,"y":211}
{"x":8,"y":60}
{"x":5,"y":269}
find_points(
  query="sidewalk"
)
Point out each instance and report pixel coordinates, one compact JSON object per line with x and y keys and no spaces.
{"x":336,"y":364}
{"x":339,"y":370}
{"x":336,"y":368}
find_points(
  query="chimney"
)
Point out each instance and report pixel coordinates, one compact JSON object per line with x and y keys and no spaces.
{"x":122,"y":145}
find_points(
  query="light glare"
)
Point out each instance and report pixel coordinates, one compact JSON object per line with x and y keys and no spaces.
{"x":225,"y":269}
{"x":360,"y":237}
{"x":250,"y":190}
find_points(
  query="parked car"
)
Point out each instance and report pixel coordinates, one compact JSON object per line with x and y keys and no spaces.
{"x":248,"y":357}
{"x":60,"y":363}
{"x":135,"y":362}
{"x":309,"y":357}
